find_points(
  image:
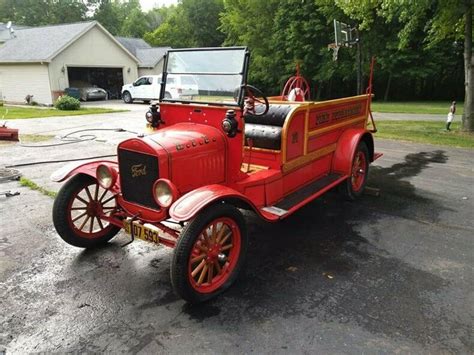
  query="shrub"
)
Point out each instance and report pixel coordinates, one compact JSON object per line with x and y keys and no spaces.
{"x":67,"y":103}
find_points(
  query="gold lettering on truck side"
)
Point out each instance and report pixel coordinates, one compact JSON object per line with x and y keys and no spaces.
{"x":138,"y":170}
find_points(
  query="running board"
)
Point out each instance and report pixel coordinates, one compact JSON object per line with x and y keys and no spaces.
{"x":301,"y":197}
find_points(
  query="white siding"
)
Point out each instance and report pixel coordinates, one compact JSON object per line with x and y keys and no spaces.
{"x":93,"y":49}
{"x":157,"y":70}
{"x":19,"y":80}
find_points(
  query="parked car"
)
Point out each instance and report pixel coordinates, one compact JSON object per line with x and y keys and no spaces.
{"x":92,"y":93}
{"x":184,"y":184}
{"x":147,"y":88}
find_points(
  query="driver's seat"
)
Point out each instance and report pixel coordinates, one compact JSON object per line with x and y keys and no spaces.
{"x":265,"y":131}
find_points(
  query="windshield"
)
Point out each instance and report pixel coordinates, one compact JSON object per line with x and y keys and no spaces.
{"x":205,"y":75}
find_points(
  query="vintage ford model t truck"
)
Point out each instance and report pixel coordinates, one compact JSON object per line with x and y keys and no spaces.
{"x":210,"y":156}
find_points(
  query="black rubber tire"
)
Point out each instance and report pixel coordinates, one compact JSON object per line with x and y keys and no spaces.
{"x":179,"y":262}
{"x":346,"y":187}
{"x":127,"y":97}
{"x":168,"y":95}
{"x":60,"y":215}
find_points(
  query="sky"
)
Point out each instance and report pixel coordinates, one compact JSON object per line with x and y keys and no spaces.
{"x":149,"y":4}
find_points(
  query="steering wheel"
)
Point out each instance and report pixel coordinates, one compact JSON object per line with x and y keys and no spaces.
{"x":254,"y":95}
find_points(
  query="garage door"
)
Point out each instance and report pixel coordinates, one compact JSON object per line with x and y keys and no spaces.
{"x":109,"y":79}
{"x":25,"y":79}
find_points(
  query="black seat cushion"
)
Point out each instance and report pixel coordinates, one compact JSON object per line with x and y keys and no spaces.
{"x":275,"y":116}
{"x":265,"y":131}
{"x":263,"y":136}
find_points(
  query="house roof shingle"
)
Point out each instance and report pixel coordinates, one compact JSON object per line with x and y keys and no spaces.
{"x":42,"y":44}
{"x":149,"y":57}
{"x":133,"y":44}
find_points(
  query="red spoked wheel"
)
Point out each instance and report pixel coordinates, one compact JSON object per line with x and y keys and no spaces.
{"x":359,"y":172}
{"x":77,"y":212}
{"x":355,"y":184}
{"x":209,"y":253}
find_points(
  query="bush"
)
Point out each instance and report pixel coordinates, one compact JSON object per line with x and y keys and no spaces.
{"x":67,"y":103}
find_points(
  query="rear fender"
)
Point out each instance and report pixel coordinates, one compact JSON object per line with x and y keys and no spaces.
{"x":190,"y":204}
{"x":69,"y":170}
{"x":346,"y":148}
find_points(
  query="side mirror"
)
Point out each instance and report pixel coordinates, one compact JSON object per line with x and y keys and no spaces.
{"x":134,"y":83}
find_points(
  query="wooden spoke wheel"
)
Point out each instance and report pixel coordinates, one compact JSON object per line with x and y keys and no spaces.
{"x":355,"y":184}
{"x":209,"y":253}
{"x":77,"y":210}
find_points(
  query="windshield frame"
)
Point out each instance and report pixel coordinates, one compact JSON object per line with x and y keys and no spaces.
{"x":243,"y":73}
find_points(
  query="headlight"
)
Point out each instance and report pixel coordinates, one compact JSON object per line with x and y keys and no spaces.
{"x":106,"y":176}
{"x":164,"y":192}
{"x":149,"y":117}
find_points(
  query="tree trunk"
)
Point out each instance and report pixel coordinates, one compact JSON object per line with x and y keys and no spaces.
{"x":468,"y":116}
{"x":387,"y":89}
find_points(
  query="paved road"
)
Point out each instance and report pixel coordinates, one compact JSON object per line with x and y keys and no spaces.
{"x":386,"y":274}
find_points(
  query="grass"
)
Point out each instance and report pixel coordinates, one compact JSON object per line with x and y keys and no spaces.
{"x":431,"y":107}
{"x":34,"y":138}
{"x":431,"y":132}
{"x":33,"y":186}
{"x":18,"y":113}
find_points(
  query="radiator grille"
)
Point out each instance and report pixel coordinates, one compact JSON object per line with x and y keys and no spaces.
{"x":138,"y":173}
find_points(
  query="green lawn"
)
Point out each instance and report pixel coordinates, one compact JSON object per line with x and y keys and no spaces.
{"x":425,"y":132}
{"x":433,"y":107}
{"x":15,"y":113}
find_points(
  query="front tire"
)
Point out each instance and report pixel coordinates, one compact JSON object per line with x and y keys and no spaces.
{"x":77,"y":209}
{"x":127,"y":97}
{"x":209,"y":254}
{"x":354,"y":186}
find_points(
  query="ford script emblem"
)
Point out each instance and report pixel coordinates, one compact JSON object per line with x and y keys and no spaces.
{"x":138,"y":170}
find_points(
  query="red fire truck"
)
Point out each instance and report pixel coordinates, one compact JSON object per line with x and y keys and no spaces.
{"x":209,"y":156}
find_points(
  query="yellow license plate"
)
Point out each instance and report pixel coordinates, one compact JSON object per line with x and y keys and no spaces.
{"x":142,"y":232}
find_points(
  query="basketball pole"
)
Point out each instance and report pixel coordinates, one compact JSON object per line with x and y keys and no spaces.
{"x":359,"y":64}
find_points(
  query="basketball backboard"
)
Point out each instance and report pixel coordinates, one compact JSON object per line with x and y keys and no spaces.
{"x":344,"y":35}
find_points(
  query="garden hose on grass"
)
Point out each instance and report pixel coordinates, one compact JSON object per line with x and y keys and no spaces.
{"x":67,"y":139}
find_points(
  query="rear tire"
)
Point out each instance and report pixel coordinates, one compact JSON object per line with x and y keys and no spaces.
{"x":127,"y":97}
{"x":354,"y":186}
{"x":209,"y":254}
{"x":76,"y":212}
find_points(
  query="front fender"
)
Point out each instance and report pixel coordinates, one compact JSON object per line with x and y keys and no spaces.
{"x":68,"y":170}
{"x":346,"y":148}
{"x":188,"y":205}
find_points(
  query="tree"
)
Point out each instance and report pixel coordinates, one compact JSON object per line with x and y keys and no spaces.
{"x":135,"y":24}
{"x":441,"y":21}
{"x":108,"y":14}
{"x":251,"y":23}
{"x":42,"y":12}
{"x":192,"y":23}
{"x":175,"y":31}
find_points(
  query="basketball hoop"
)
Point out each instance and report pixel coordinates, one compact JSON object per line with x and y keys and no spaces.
{"x":335,"y":50}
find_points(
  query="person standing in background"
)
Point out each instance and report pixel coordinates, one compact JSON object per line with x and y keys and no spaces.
{"x":452,"y":111}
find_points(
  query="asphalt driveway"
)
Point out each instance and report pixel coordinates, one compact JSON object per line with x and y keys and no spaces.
{"x":392,"y":273}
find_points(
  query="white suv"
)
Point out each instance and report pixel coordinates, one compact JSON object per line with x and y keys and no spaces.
{"x":148,"y":88}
